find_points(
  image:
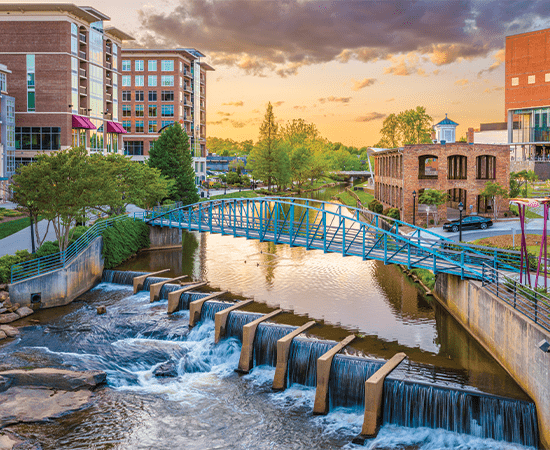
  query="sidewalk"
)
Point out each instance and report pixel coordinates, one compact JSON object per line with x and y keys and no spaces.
{"x":22,"y":239}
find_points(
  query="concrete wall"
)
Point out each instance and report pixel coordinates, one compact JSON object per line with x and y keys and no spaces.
{"x":164,"y":237}
{"x":509,"y":336}
{"x":63,"y":285}
{"x":518,"y":166}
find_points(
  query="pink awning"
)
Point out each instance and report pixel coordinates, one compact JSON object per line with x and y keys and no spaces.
{"x":83,"y":122}
{"x":91,"y":126}
{"x":114,"y":127}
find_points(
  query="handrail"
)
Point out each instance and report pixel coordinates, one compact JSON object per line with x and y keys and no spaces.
{"x":528,"y":301}
{"x":49,"y":263}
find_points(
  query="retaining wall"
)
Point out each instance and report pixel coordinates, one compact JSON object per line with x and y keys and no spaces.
{"x":164,"y":237}
{"x":510,"y":337}
{"x":62,"y":286}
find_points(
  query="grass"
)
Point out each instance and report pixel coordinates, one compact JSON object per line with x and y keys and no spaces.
{"x":365,"y":197}
{"x":242,"y":194}
{"x":528,"y":213}
{"x":347,"y":199}
{"x":13,"y":226}
{"x":505,"y":241}
{"x":5,"y":212}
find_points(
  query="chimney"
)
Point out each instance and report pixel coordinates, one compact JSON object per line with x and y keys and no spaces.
{"x":470,"y":135}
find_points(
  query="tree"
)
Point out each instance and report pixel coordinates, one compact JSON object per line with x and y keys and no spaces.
{"x":299,"y":131}
{"x":519,"y":181}
{"x":301,"y":159}
{"x":408,"y":127}
{"x":172,"y":157}
{"x":391,"y":132}
{"x":236,"y":165}
{"x":494,"y":191}
{"x":433,"y":197}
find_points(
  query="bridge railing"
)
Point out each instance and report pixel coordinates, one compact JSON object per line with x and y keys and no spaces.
{"x":49,"y":263}
{"x":529,"y":302}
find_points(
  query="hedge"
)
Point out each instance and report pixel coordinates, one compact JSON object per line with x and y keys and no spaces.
{"x":122,"y":240}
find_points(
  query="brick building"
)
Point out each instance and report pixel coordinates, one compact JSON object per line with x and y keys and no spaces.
{"x":66,"y":77}
{"x":160,"y":87}
{"x":7,"y":133}
{"x":527,"y":94}
{"x":460,"y":169}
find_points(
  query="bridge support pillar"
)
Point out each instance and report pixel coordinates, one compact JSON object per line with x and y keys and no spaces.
{"x":174,"y":297}
{"x":196,"y":307}
{"x":373,"y":399}
{"x":154,"y":289}
{"x":249,"y":332}
{"x":138,"y":281}
{"x":283,"y":349}
{"x":323,"y":376}
{"x":220,"y":319}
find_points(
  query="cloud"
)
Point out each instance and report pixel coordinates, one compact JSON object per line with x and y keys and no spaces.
{"x":390,"y":99}
{"x":335,"y":99}
{"x":238,"y":124}
{"x":221,"y":113}
{"x":239,"y":103}
{"x":279,"y":103}
{"x":462,"y":82}
{"x":218,"y":122}
{"x":281,"y":37}
{"x":500,"y":57}
{"x":365,"y":82}
{"x":369,"y":117}
{"x":404,"y":65}
{"x":300,"y":107}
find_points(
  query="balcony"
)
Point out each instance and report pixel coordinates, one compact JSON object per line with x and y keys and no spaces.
{"x":109,"y":49}
{"x":531,"y":134}
{"x":108,"y":65}
{"x":82,"y":54}
{"x":108,"y":82}
{"x":108,"y":116}
{"x":82,"y":73}
{"x":82,"y":91}
{"x":82,"y":38}
{"x":108,"y":98}
{"x":84,"y":111}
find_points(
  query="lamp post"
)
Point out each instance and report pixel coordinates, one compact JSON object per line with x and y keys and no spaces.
{"x":460,"y":209}
{"x":414,"y":207}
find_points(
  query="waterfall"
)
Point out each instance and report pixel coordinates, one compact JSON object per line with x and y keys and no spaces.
{"x":265,"y":342}
{"x":152,"y":280}
{"x":412,"y":404}
{"x":120,"y":276}
{"x":347,"y":380}
{"x":237,"y":320}
{"x":210,"y":308}
{"x":302,"y":360}
{"x":188,"y":297}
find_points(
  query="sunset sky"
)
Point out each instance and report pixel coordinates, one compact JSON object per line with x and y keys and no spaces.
{"x":343,"y":65}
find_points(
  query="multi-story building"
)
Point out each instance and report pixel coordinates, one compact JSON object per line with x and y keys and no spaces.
{"x":160,"y":87}
{"x":527,"y":94}
{"x":66,"y":77}
{"x":7,"y":133}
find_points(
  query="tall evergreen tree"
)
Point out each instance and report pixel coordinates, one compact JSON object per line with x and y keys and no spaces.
{"x":171,"y":155}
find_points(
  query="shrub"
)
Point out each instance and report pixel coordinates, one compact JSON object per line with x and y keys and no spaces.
{"x":9,"y":260}
{"x":47,"y":248}
{"x":375,"y":206}
{"x":122,"y":240}
{"x":392,"y":212}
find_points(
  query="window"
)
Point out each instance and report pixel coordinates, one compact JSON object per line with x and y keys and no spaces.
{"x":126,"y":80}
{"x":127,"y":125}
{"x":139,"y":80}
{"x":515,"y":81}
{"x":31,"y":99}
{"x":3,"y":85}
{"x":167,"y":96}
{"x":152,"y":126}
{"x":167,"y":111}
{"x":547,"y":77}
{"x":152,"y":96}
{"x":531,"y":79}
{"x":126,"y":65}
{"x":151,"y":145}
{"x":165,"y":123}
{"x":139,"y":126}
{"x":152,"y":110}
{"x":427,"y":167}
{"x":152,"y":65}
{"x":167,"y":80}
{"x":126,"y":96}
{"x":167,"y":65}
{"x":38,"y":138}
{"x":126,"y":111}
{"x":181,"y":82}
{"x":138,"y":64}
{"x":74,"y":29}
{"x":486,"y":167}
{"x":133,"y":148}
{"x":457,"y":167}
{"x":152,"y":80}
{"x":139,"y":111}
{"x":139,"y":96}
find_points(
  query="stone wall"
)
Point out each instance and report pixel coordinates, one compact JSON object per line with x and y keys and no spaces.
{"x":518,"y":166}
{"x":164,"y":237}
{"x":510,"y":337}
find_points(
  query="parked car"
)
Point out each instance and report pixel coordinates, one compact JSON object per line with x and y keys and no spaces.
{"x":468,"y":222}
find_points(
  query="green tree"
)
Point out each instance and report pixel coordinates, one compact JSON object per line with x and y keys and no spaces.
{"x":299,"y":131}
{"x":391,"y":132}
{"x":301,"y":161}
{"x":520,"y":181}
{"x":433,"y":197}
{"x":415,"y":126}
{"x":172,"y":157}
{"x":236,"y":165}
{"x":494,"y":191}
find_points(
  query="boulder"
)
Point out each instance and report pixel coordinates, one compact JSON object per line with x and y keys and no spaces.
{"x":101,"y":309}
{"x":3,"y":335}
{"x":2,"y":310}
{"x":10,"y":331}
{"x":24,"y":311}
{"x":4,"y":296}
{"x":168,"y":369}
{"x":4,"y":385}
{"x":8,"y":441}
{"x":67,"y":380}
{"x":8,"y":317}
{"x":3,"y":287}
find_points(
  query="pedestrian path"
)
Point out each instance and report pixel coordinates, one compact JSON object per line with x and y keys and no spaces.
{"x":22,"y":239}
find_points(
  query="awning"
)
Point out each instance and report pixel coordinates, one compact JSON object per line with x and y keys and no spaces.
{"x":114,"y":127}
{"x":83,"y":122}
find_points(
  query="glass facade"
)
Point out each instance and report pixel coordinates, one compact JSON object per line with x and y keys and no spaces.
{"x":97,"y":90}
{"x":31,"y":99}
{"x":126,"y":65}
{"x":139,"y":80}
{"x":37,"y":138}
{"x":152,"y":65}
{"x":96,"y":136}
{"x":167,"y":80}
{"x":138,"y":64}
{"x":74,"y":85}
{"x":133,"y":148}
{"x":96,"y":47}
{"x":152,"y":80}
{"x":167,"y":65}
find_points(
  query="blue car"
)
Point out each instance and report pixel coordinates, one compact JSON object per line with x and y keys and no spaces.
{"x":468,"y":222}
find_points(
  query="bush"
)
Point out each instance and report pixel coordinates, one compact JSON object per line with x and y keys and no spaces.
{"x":47,"y":248}
{"x":392,"y":212}
{"x":375,"y":206}
{"x":122,"y":240}
{"x":9,"y":260}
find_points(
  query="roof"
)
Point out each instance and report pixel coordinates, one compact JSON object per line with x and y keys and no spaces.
{"x":446,"y":121}
{"x":119,"y":34}
{"x":91,"y":15}
{"x":159,"y":50}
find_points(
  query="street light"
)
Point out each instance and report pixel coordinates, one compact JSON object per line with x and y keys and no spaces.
{"x":414,"y":207}
{"x":460,"y":209}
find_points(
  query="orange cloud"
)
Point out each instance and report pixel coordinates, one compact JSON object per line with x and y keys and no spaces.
{"x":369,"y":117}
{"x":335,"y":99}
{"x":365,"y":82}
{"x":239,"y":103}
{"x":462,"y":82}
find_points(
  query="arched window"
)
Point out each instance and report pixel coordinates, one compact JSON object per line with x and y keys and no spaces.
{"x":486,"y":167}
{"x":427,"y":167}
{"x":457,"y":167}
{"x":456,"y":195}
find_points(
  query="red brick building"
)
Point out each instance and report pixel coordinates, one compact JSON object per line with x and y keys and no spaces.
{"x":66,"y":77}
{"x":460,"y":169}
{"x":527,"y":94}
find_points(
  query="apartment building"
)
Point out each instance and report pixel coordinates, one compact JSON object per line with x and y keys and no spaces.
{"x":158,"y":88}
{"x":65,"y":64}
{"x":527,"y":95}
{"x":7,"y":133}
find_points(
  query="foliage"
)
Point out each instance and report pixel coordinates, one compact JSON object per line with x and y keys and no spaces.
{"x":236,"y":165}
{"x":376,"y":207}
{"x":408,"y":127}
{"x":122,"y":240}
{"x":233,"y":178}
{"x":392,"y":212}
{"x":298,"y":132}
{"x":13,"y":226}
{"x":7,"y":261}
{"x":426,"y":276}
{"x":172,"y":157}
{"x":520,"y":181}
{"x":494,"y":191}
{"x":5,"y":212}
{"x":433,"y":197}
{"x":228,"y":147}
{"x":301,"y":159}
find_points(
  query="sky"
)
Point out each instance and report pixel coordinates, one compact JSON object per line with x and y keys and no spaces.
{"x":343,"y":65}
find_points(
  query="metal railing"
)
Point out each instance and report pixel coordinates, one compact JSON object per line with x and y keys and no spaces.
{"x":529,"y":302}
{"x":40,"y":266}
{"x":82,"y":54}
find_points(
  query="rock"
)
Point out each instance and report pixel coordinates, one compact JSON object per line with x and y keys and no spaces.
{"x":3,"y":335}
{"x":24,"y":311}
{"x":168,"y":369}
{"x":3,"y":310}
{"x":8,"y":441}
{"x":5,"y":383}
{"x":9,"y":317}
{"x":4,"y":296}
{"x":10,"y":331}
{"x":34,"y":404}
{"x":101,"y":309}
{"x":66,"y":380}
